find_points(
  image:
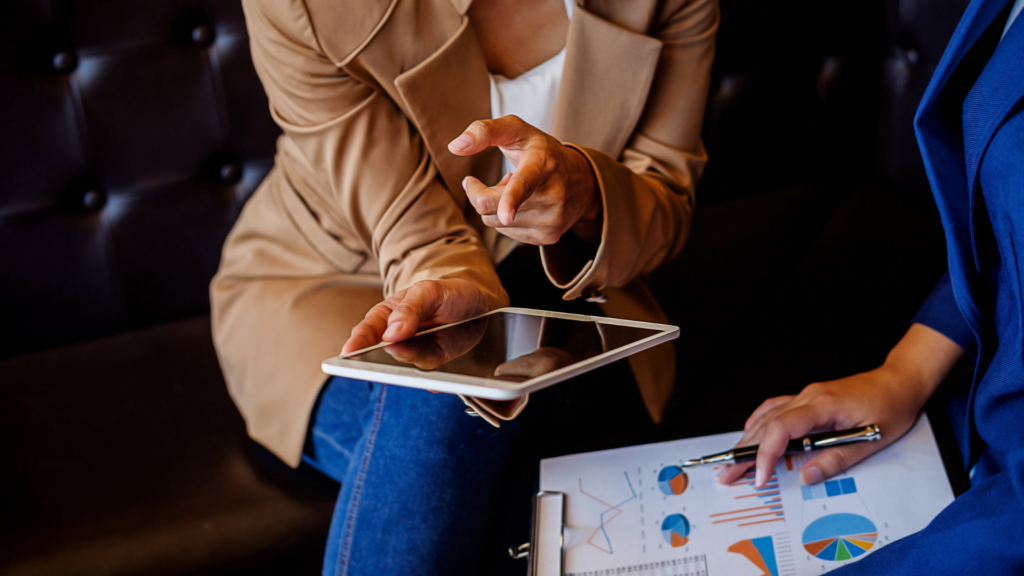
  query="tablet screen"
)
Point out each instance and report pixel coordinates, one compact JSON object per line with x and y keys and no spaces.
{"x":506,"y":346}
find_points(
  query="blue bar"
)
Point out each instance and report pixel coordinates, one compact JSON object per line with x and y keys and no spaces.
{"x":848,"y":486}
{"x":806,"y":492}
{"x":818,"y":490}
{"x":832,"y":488}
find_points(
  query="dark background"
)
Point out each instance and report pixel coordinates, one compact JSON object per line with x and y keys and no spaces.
{"x":131,"y":133}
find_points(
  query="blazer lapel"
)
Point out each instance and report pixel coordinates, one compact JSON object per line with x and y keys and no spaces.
{"x":442,"y":96}
{"x":608,"y":73}
{"x":997,"y":91}
{"x":938,"y":125}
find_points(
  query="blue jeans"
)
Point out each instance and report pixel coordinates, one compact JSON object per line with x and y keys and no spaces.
{"x":427,"y":489}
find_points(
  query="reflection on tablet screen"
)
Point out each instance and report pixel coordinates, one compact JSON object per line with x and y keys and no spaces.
{"x":507,"y":346}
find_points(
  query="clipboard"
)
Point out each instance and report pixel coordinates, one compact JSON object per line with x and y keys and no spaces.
{"x":664,"y":525}
{"x":545,"y":550}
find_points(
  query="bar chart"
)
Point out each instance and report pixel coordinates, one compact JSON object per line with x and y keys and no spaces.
{"x":751,"y":505}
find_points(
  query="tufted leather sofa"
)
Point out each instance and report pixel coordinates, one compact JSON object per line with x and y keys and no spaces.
{"x":131,"y":133}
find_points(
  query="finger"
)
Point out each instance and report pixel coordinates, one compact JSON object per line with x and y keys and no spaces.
{"x":507,"y":131}
{"x":783,"y":428}
{"x":764,"y":408}
{"x":751,"y":436}
{"x":505,"y":179}
{"x":420,"y":303}
{"x":525,"y":218}
{"x":532,"y":236}
{"x":832,"y":461}
{"x":527,"y":177}
{"x":370,"y":331}
{"x":732,"y":473}
{"x":484,"y":199}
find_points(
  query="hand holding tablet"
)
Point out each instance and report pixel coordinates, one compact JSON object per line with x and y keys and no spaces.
{"x":502,"y":355}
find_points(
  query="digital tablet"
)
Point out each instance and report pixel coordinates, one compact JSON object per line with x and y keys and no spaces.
{"x":501,"y":355}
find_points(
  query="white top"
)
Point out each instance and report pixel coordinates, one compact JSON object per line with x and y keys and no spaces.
{"x":1017,"y":7}
{"x":532,"y":95}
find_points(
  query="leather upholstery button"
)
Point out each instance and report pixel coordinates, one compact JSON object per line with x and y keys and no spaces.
{"x":202,"y":35}
{"x":93,"y":200}
{"x":64,"y":62}
{"x":912,"y":56}
{"x":230,"y":173}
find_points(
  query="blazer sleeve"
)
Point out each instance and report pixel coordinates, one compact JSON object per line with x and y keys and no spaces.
{"x":940,"y":313}
{"x":979,"y":533}
{"x":347,"y":142}
{"x":648,"y":192}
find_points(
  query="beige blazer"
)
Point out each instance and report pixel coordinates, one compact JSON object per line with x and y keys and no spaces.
{"x":365,"y":199}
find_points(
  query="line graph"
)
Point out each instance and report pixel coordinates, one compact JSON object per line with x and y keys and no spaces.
{"x":604,"y":521}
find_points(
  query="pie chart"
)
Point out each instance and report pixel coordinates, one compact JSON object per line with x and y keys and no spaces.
{"x":676,"y":530}
{"x":672,"y":481}
{"x":839,"y":537}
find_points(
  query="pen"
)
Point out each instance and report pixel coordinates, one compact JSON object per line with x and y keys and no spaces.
{"x":868,"y":433}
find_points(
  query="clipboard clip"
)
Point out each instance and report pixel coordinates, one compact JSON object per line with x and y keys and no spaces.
{"x":520,"y":552}
{"x":523,"y":550}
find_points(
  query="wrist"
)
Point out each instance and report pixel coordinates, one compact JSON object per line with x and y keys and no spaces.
{"x":907,"y":384}
{"x":921,"y":361}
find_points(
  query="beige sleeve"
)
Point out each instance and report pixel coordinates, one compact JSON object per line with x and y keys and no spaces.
{"x":648,"y":192}
{"x":349,"y":144}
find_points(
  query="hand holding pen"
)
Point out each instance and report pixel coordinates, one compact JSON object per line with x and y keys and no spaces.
{"x":890,"y":396}
{"x":809,"y":443}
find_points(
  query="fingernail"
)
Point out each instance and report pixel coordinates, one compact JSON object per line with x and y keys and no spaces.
{"x":759,"y":478}
{"x":510,"y":216}
{"x":461,"y":143}
{"x":464,"y":180}
{"x":810,"y":476}
{"x":720,"y":477}
{"x":393,"y":331}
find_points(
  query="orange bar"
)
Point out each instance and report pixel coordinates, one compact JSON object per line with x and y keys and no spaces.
{"x":789,"y":462}
{"x":762,"y":522}
{"x":752,"y":495}
{"x":745,"y":517}
{"x":749,"y":479}
{"x":777,"y":504}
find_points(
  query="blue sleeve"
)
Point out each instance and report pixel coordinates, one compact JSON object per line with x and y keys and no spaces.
{"x":980,"y":533}
{"x":940,"y":313}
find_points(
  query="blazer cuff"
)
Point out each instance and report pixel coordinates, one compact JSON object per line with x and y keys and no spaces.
{"x":941,"y":313}
{"x":572,"y":266}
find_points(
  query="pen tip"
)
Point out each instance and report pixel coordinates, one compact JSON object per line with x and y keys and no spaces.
{"x":689,"y":463}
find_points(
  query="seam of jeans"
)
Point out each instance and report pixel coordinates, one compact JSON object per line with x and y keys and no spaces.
{"x":327,"y":438}
{"x":357,"y":488}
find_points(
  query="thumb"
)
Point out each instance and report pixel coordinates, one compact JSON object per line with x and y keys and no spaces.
{"x":506,"y":131}
{"x":420,"y":303}
{"x":832,"y":461}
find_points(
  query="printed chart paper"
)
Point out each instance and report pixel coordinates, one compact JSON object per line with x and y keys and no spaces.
{"x":636,"y":511}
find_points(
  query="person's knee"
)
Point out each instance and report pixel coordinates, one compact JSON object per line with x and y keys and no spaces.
{"x":436,"y":426}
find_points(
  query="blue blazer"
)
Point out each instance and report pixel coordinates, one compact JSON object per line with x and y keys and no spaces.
{"x":970,"y":127}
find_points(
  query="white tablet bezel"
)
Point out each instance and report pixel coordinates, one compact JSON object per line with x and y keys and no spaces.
{"x":488,"y":388}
